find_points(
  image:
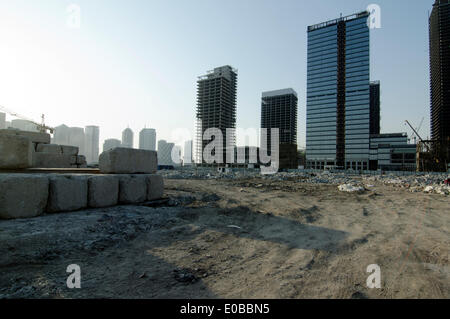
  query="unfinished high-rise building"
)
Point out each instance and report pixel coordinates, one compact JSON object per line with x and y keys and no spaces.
{"x":338,"y":94}
{"x":216,"y":108}
{"x":439,"y":29}
{"x":279,"y":110}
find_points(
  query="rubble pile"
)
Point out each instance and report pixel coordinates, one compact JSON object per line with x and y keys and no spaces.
{"x":433,"y":183}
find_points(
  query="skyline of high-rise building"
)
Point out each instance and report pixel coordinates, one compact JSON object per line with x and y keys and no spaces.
{"x":439,"y":34}
{"x":216,"y":108}
{"x":92,"y":140}
{"x":2,"y":121}
{"x":147,"y":139}
{"x":188,"y":156}
{"x":338,"y":93}
{"x":165,"y":153}
{"x":279,"y":110}
{"x":127,"y":138}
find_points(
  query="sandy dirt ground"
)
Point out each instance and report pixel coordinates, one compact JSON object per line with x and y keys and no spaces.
{"x":246,"y":238}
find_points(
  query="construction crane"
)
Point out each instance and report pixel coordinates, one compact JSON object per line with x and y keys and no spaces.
{"x":417,"y":134}
{"x":41,"y":127}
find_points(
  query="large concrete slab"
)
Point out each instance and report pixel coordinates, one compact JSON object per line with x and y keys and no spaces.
{"x":132,"y":189}
{"x":128,"y":161}
{"x":103,"y":191}
{"x":34,"y":137}
{"x":155,"y":187}
{"x":67,"y":193}
{"x":23,"y":195}
{"x":49,"y":148}
{"x":49,"y":160}
{"x":69,"y":150}
{"x":16,"y":152}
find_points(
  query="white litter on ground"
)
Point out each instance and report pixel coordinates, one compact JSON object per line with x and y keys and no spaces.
{"x":350,"y":188}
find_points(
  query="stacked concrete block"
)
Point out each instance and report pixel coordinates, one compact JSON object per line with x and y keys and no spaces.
{"x":34,"y":137}
{"x":69,"y":150}
{"x":15,"y":152}
{"x":128,"y":161}
{"x":51,"y":160}
{"x":103,"y":191}
{"x":155,"y":187}
{"x":67,"y":193}
{"x":49,"y":148}
{"x":22,"y":195}
{"x":132,"y":189}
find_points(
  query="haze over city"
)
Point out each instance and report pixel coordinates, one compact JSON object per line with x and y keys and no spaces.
{"x":136,"y":63}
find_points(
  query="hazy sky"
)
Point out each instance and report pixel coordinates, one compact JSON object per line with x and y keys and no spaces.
{"x":135,"y":63}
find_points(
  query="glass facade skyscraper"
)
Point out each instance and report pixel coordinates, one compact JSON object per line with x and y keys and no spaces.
{"x":338,"y":94}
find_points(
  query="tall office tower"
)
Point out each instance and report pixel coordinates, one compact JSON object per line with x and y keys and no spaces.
{"x":61,"y":135}
{"x":216,"y":108}
{"x":439,"y":25}
{"x":2,"y":121}
{"x":110,"y":144}
{"x":279,"y":110}
{"x":338,"y":96}
{"x":188,"y":158}
{"x":127,"y":138}
{"x":147,"y":139}
{"x":92,"y":141}
{"x":375,"y":107}
{"x":165,"y":153}
{"x":77,"y":138}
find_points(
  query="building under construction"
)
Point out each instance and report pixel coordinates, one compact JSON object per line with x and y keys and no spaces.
{"x":434,"y":154}
{"x":216,"y":108}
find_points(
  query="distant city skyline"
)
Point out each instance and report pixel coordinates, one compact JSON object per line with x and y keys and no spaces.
{"x":120,"y":61}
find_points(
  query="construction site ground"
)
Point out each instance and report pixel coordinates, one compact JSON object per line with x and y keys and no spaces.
{"x":237,"y":238}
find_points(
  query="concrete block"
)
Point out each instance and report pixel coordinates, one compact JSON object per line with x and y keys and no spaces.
{"x":16,"y":152}
{"x":132,"y":189}
{"x":34,"y":137}
{"x":49,"y":160}
{"x":49,"y":148}
{"x":67,"y":193}
{"x":155,"y":187}
{"x":23,"y":195}
{"x":103,"y":191}
{"x":128,"y":161}
{"x":81,"y":159}
{"x":69,"y":150}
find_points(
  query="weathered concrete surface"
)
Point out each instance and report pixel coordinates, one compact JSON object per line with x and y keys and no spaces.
{"x":132,"y":189}
{"x":34,"y":137}
{"x":81,"y":159}
{"x":23,"y":195}
{"x":16,"y":152}
{"x":128,"y":161}
{"x":103,"y":191}
{"x":155,"y":187}
{"x":49,"y":160}
{"x":49,"y":148}
{"x":69,"y":150}
{"x":67,"y":193}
